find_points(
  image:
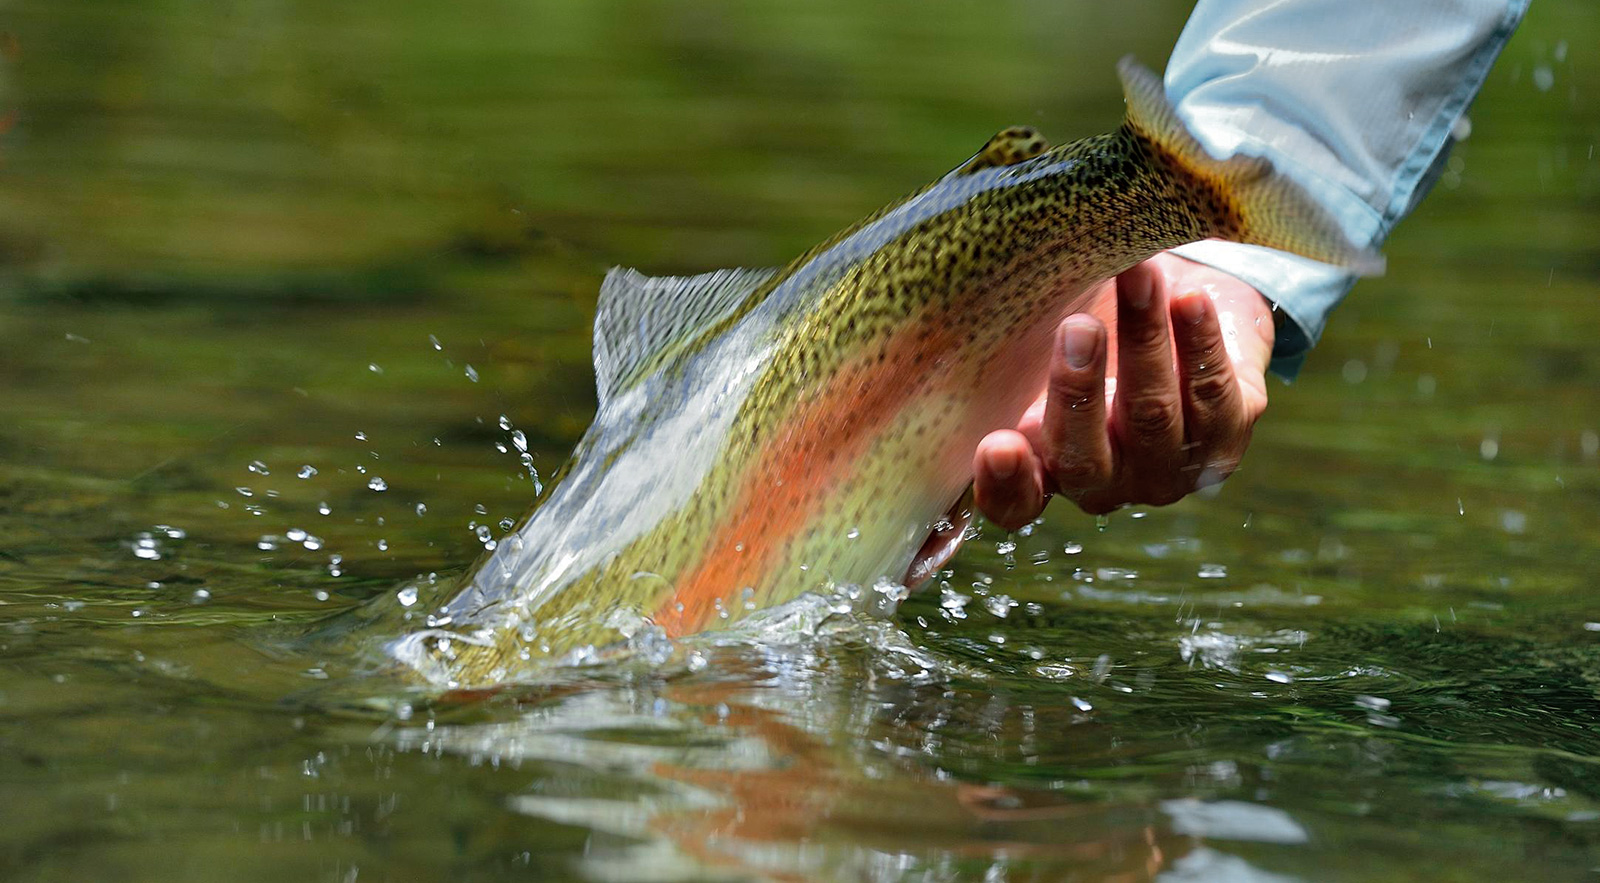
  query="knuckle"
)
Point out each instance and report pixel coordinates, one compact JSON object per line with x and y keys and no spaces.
{"x":1150,"y":416}
{"x":1144,"y":335}
{"x":1211,"y":388}
{"x":1080,"y":473}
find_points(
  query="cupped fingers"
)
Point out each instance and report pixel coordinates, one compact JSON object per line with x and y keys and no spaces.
{"x":1076,"y":444}
{"x":1148,"y":408}
{"x":1213,"y":404}
{"x":1007,"y":479}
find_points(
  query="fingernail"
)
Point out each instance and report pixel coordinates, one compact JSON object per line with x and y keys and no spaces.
{"x":1003,"y":463}
{"x":1079,"y":340}
{"x":1192,"y":308}
{"x":1138,"y":290}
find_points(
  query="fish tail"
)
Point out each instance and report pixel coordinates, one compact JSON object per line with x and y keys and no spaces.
{"x":1241,"y":198}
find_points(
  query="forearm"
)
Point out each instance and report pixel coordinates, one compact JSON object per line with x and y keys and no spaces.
{"x":1355,"y":100}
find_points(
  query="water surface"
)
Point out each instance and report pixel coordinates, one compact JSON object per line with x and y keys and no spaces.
{"x":246,"y":238}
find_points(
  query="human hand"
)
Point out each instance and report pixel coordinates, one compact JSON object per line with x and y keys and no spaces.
{"x":1162,"y":408}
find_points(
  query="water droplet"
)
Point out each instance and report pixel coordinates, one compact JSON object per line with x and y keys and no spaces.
{"x":1512,"y":521}
{"x":258,"y":467}
{"x":999,"y":605}
{"x":1543,"y":78}
{"x":472,"y":374}
{"x":377,"y":483}
{"x":306,"y":471}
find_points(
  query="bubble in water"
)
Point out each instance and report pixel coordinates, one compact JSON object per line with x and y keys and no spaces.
{"x":258,"y":467}
{"x":245,"y":492}
{"x":377,"y":483}
{"x":323,"y":509}
{"x":1072,"y":548}
{"x":435,"y":341}
{"x":333,"y":564}
{"x":306,"y":471}
{"x":1278,"y":677}
{"x":200,"y":596}
{"x":373,"y":367}
{"x":472,"y":374}
{"x":852,"y":534}
{"x":312,"y":543}
{"x":295,"y":535}
{"x":422,"y":509}
{"x":1005,"y":547}
{"x":361,"y":436}
{"x":1489,"y":448}
{"x":383,"y":545}
{"x":1213,"y":571}
{"x":407,"y":596}
{"x":520,"y":439}
{"x":507,"y":524}
{"x":1081,"y":704}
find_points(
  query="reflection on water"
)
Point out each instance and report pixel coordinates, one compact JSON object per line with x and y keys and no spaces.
{"x":294,"y":311}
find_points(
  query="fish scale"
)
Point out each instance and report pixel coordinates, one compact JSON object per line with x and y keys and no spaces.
{"x":764,"y":434}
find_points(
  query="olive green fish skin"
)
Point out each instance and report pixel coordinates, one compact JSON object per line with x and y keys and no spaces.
{"x":814,"y":435}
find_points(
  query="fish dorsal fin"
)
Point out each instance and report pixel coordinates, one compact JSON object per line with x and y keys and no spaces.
{"x":1007,"y":148}
{"x":643,"y":322}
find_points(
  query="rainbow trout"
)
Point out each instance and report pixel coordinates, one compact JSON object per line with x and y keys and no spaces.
{"x":764,"y":433}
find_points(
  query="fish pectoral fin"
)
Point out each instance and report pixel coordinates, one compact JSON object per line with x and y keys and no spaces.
{"x":643,"y":322}
{"x":1007,"y":148}
{"x":942,"y":543}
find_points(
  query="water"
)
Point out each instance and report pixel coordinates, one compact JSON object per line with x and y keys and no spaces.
{"x":1373,"y":655}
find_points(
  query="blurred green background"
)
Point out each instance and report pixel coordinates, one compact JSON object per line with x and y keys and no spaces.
{"x":241,"y":238}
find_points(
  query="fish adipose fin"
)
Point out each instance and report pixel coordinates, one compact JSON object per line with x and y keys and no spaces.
{"x":1007,"y":148}
{"x":644,"y":322}
{"x":1252,"y":202}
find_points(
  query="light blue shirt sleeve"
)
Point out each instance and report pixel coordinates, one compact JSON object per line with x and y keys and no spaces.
{"x":1355,"y":99}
